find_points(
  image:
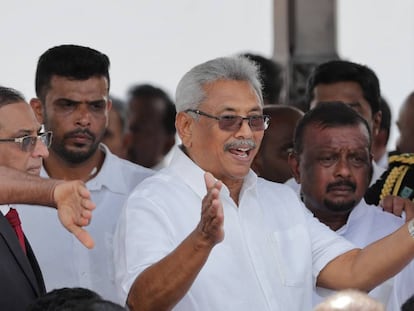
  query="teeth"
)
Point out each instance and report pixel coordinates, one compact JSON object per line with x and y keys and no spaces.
{"x":243,"y":149}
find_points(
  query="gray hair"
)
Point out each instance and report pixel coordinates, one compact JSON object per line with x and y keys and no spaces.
{"x":190,"y":92}
{"x":10,"y":96}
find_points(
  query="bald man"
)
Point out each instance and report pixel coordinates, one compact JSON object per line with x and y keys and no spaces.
{"x":405,"y":143}
{"x":271,"y":161}
{"x":350,"y":300}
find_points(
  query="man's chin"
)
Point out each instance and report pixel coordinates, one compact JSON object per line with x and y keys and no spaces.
{"x":76,"y":154}
{"x":340,"y":206}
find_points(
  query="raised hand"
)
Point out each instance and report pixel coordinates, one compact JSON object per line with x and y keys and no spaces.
{"x":212,"y":217}
{"x":74,"y":205}
{"x":397,"y":205}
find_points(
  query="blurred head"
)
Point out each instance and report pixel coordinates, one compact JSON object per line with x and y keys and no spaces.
{"x":353,"y":84}
{"x":408,"y":305}
{"x":271,"y":76}
{"x":380,"y":141}
{"x":331,"y":158}
{"x":271,"y":162}
{"x":72,"y":85}
{"x":114,"y":134}
{"x":21,"y":147}
{"x":208,"y":99}
{"x":405,"y":142}
{"x":349,"y":300}
{"x":71,"y":299}
{"x":150,"y":131}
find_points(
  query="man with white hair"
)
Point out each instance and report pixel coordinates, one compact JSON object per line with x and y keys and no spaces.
{"x":255,"y":246}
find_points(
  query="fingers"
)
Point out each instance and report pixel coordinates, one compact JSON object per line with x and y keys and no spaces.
{"x":87,"y":204}
{"x":397,"y":206}
{"x":211,"y":182}
{"x":82,"y":235}
{"x":212,"y":217}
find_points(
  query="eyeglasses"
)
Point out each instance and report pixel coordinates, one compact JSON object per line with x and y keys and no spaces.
{"x":28,"y":143}
{"x":233,"y":123}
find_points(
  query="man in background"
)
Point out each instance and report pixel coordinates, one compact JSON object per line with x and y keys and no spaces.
{"x":150,"y":126}
{"x":332,"y":163}
{"x":380,"y":142}
{"x":271,"y":162}
{"x":405,"y":124}
{"x":354,"y":85}
{"x":72,"y":88}
{"x":114,"y":133}
{"x":271,"y":76}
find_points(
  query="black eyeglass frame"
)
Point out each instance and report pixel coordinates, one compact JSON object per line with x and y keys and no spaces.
{"x":28,"y":143}
{"x":265,"y":118}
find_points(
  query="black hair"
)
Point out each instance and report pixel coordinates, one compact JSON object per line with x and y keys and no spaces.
{"x":147,"y":90}
{"x":70,"y":61}
{"x":270,"y":73}
{"x":71,"y":299}
{"x":386,"y":117}
{"x":344,"y":71}
{"x":408,"y":305}
{"x":327,"y":115}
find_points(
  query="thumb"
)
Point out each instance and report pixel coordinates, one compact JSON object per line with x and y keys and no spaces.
{"x":209,"y":180}
{"x":82,"y":235}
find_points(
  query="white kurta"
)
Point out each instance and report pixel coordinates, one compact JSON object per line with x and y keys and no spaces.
{"x":367,"y":224}
{"x":271,"y":254}
{"x":64,"y":261}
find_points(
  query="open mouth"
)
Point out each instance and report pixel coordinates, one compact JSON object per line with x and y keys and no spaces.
{"x":241,"y":152}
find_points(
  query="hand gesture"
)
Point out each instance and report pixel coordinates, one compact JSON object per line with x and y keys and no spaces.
{"x":74,"y":206}
{"x":212,"y":217}
{"x":397,"y":205}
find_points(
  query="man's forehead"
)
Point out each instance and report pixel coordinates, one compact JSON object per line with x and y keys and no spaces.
{"x":356,"y":135}
{"x":18,"y":118}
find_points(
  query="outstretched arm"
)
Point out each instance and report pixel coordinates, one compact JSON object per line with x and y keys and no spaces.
{"x":162,"y":285}
{"x":71,"y":198}
{"x":367,"y":268}
{"x":74,"y":206}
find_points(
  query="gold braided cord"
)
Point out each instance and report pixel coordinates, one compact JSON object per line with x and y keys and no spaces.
{"x":404,"y":158}
{"x":390,"y":181}
{"x":397,"y":186}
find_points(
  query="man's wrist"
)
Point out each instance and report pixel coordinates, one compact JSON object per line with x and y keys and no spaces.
{"x":52,"y":194}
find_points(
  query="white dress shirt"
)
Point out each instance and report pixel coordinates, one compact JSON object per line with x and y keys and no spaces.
{"x":271,"y":255}
{"x":4,"y":209}
{"x":367,"y":224}
{"x":64,"y":261}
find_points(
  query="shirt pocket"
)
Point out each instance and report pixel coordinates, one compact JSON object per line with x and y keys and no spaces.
{"x":292,"y":251}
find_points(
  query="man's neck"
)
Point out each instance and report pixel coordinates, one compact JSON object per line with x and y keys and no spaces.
{"x":59,"y":168}
{"x":333,"y":220}
{"x":234,"y":187}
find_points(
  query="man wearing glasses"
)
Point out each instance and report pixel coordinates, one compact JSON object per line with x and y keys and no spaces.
{"x":23,"y":147}
{"x":255,"y":246}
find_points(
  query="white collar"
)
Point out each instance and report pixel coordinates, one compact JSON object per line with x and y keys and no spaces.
{"x":4,"y":209}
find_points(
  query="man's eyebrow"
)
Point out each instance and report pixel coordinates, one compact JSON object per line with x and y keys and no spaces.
{"x":62,"y":99}
{"x":22,"y":132}
{"x":354,"y":104}
{"x":79,"y":102}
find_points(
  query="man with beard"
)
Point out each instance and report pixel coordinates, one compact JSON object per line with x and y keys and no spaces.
{"x":72,"y":88}
{"x":332,"y":163}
